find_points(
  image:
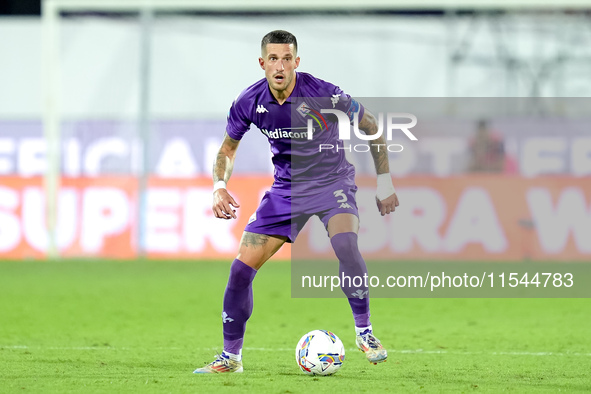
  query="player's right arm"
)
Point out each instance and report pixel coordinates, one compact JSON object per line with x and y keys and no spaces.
{"x":386,"y":198}
{"x":223,"y":202}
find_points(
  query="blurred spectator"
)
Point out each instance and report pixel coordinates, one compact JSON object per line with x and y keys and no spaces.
{"x":487,"y":152}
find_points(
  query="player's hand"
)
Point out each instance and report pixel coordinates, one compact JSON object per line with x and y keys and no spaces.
{"x":387,"y":205}
{"x":224,"y":204}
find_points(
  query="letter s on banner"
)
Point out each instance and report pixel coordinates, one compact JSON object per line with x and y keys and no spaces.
{"x":105,"y":212}
{"x":10,"y":229}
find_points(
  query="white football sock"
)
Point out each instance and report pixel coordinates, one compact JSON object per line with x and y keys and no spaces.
{"x":234,"y":357}
{"x":359,"y":330}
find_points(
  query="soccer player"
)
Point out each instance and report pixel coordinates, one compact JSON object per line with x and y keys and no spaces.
{"x":322,"y":181}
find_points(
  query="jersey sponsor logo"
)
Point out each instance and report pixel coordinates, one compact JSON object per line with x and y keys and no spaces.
{"x":261,"y":109}
{"x":286,"y":133}
{"x":345,"y":205}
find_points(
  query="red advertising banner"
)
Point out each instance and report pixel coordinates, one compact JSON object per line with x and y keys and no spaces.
{"x":484,"y":217}
{"x":480,"y":217}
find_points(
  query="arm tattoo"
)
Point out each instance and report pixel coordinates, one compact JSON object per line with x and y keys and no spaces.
{"x":253,"y":239}
{"x":222,"y":168}
{"x":379,"y":151}
{"x":224,"y":161}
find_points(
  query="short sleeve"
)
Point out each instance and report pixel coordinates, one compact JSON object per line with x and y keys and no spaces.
{"x":343,"y":102}
{"x":238,"y":122}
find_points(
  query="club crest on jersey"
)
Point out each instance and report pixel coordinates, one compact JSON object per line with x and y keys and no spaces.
{"x":305,"y":110}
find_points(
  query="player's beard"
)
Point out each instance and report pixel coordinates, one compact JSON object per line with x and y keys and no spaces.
{"x":280,"y":87}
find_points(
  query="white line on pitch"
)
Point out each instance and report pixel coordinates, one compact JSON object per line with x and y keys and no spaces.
{"x":407,"y":351}
{"x":421,"y":351}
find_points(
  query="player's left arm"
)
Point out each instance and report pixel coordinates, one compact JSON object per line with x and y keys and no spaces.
{"x":386,"y":197}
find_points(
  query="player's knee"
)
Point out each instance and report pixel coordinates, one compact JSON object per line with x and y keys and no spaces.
{"x":345,"y":246}
{"x":254,"y":261}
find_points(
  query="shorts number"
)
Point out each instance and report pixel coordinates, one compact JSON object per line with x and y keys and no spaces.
{"x":339,"y":193}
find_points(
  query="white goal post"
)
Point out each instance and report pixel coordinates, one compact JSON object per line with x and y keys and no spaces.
{"x":51,"y":17}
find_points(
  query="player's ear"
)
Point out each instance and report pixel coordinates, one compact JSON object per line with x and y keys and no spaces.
{"x":262,"y":62}
{"x":297,"y":62}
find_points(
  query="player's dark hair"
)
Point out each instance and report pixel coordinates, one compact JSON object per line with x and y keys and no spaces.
{"x":279,"y":37}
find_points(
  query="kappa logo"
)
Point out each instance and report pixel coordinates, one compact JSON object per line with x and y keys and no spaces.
{"x":335,"y":99}
{"x":261,"y":109}
{"x":226,"y":318}
{"x":345,"y":205}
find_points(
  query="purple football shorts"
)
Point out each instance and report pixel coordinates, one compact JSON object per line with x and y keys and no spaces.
{"x":287,"y":215}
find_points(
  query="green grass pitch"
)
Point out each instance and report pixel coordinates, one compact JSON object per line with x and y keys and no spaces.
{"x":145,"y":326}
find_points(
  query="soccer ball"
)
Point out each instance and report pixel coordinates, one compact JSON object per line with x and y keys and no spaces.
{"x":320,"y":352}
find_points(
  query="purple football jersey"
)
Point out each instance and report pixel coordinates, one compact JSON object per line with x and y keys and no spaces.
{"x":300,"y":167}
